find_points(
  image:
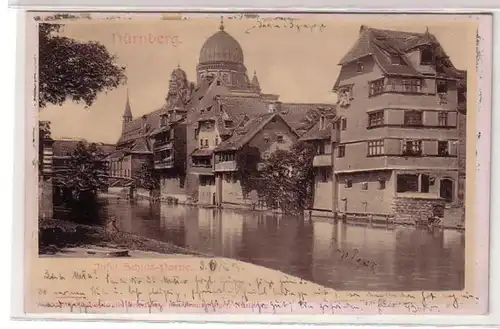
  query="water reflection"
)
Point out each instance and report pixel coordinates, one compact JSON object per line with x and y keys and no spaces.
{"x":406,"y":258}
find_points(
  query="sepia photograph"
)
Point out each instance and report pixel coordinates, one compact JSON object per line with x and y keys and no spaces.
{"x":325,"y":149}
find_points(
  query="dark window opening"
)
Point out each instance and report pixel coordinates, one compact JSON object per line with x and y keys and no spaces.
{"x":376,"y":87}
{"x":442,"y":86}
{"x":443,"y":148}
{"x":381,"y":184}
{"x":348,"y":183}
{"x":407,"y":183}
{"x":412,"y":148}
{"x":426,"y":56}
{"x":376,"y":119}
{"x":341,"y":151}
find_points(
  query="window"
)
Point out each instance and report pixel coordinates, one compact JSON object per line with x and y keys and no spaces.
{"x":359,"y":67}
{"x":279,"y":138}
{"x":443,"y":119}
{"x":376,"y":87}
{"x":376,"y":119}
{"x":442,"y":86}
{"x":424,"y":183}
{"x":375,"y":147}
{"x":426,"y":56}
{"x":443,"y":148}
{"x":413,"y":118}
{"x":344,"y":123}
{"x":348,"y":183}
{"x":396,"y":60}
{"x":364,"y":186}
{"x":163,"y":120}
{"x":411,"y":85}
{"x":413,"y":147}
{"x":341,"y":151}
{"x":320,"y":149}
{"x":381,"y":184}
{"x":418,"y":183}
{"x":324,"y":175}
{"x":201,"y":143}
{"x":216,"y":141}
{"x":407,"y":183}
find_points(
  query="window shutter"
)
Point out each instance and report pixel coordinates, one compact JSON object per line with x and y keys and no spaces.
{"x":452,"y":118}
{"x":430,"y":147}
{"x":453,"y":146}
{"x":431,"y":118}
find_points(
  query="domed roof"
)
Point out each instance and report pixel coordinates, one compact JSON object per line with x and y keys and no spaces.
{"x":221,"y":47}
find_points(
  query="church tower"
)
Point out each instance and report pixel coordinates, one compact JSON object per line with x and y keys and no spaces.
{"x":127,"y":114}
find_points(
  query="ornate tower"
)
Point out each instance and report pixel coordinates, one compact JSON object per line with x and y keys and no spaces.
{"x":127,"y":114}
{"x":255,"y":82}
{"x":221,"y":55}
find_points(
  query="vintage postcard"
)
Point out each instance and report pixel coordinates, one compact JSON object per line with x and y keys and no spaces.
{"x":264,"y":164}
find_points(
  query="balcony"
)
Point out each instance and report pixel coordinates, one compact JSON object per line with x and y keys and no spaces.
{"x":225,"y":166}
{"x":322,"y":160}
{"x":202,"y":169}
{"x":164,"y":163}
{"x":163,"y":145}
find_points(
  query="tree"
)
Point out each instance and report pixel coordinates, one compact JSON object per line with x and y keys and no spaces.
{"x":286,"y":181}
{"x":72,"y":69}
{"x":147,"y":177}
{"x":247,"y":160}
{"x":85,"y":171}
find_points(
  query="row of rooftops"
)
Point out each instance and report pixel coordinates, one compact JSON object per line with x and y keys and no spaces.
{"x":247,"y":110}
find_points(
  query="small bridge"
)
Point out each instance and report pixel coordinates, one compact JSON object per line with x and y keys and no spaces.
{"x":120,"y":181}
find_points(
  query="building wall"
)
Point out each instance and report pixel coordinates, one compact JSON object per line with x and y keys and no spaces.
{"x":373,"y":199}
{"x":323,"y":190}
{"x":266,"y":141}
{"x":462,"y":156}
{"x":414,"y":209}
{"x":356,"y":134}
{"x":172,"y":186}
{"x":206,"y":190}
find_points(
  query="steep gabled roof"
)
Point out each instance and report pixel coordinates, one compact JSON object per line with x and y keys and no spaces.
{"x":382,"y":44}
{"x":242,"y":135}
{"x":134,"y":129}
{"x":302,"y":116}
{"x":64,"y":147}
{"x":319,"y":133}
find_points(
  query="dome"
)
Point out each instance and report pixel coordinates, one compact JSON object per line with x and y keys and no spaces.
{"x":221,"y":47}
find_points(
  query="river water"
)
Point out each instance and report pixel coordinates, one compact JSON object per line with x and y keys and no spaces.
{"x":337,"y":255}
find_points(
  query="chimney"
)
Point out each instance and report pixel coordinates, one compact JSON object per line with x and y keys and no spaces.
{"x":362,"y":29}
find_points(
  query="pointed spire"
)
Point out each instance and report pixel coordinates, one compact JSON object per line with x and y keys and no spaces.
{"x":255,"y":81}
{"x":127,"y":114}
{"x":221,"y":27}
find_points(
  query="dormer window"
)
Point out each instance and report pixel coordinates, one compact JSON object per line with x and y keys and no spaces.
{"x":426,"y":56}
{"x":359,"y":67}
{"x":396,"y":60}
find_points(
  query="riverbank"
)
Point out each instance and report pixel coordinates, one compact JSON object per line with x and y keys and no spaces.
{"x":57,"y":235}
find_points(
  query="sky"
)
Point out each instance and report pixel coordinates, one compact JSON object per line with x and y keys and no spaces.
{"x":299,"y":65}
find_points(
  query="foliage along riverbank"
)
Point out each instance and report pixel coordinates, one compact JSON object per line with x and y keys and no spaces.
{"x":55,"y":235}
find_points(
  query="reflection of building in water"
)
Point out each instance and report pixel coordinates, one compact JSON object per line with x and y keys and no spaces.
{"x":422,"y":263}
{"x":232,"y":232}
